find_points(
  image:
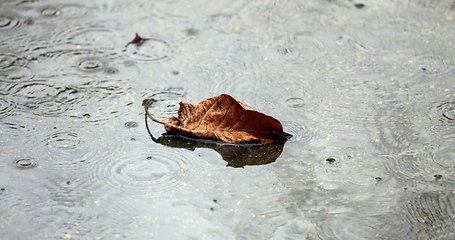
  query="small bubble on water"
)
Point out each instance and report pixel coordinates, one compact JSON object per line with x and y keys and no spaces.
{"x":131,"y":124}
{"x":50,"y":11}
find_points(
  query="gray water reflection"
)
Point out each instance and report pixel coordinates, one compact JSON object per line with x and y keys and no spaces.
{"x":366,"y":89}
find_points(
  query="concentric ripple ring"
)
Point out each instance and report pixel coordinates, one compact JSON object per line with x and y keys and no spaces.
{"x":147,"y":172}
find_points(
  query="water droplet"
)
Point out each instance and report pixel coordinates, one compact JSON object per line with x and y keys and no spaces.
{"x":295,"y":102}
{"x":24,"y":163}
{"x":91,"y":64}
{"x":50,"y":11}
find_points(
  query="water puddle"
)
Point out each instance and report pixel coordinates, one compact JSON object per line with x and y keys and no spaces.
{"x":365,"y":89}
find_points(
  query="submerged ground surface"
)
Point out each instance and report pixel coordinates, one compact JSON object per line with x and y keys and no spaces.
{"x":365,"y":87}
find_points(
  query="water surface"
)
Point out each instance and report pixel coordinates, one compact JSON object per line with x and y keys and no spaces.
{"x":365,"y":88}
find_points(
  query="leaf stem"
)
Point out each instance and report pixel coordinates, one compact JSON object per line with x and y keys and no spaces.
{"x":146,"y":107}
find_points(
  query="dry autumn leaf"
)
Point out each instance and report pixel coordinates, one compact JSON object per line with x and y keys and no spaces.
{"x":223,"y":118}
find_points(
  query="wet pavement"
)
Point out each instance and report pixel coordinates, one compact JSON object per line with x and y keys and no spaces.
{"x":365,"y":88}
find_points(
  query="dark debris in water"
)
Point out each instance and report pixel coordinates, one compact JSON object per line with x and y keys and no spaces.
{"x":359,"y":5}
{"x":191,"y":32}
{"x":330,"y":160}
{"x":138,"y":40}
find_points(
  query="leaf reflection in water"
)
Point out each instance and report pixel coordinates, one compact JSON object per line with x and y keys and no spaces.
{"x":236,"y":155}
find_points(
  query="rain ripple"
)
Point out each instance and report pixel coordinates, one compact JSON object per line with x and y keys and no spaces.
{"x":41,"y":99}
{"x":85,"y":78}
{"x":146,"y":171}
{"x":69,"y":11}
{"x":431,"y":65}
{"x":6,"y":108}
{"x":99,"y":35}
{"x":92,"y":70}
{"x":442,"y":115}
{"x":166,"y":102}
{"x":69,"y":149}
{"x":14,"y":68}
{"x":59,"y":208}
{"x":9,"y":20}
{"x":297,"y":131}
{"x":155,"y":49}
{"x":240,"y":80}
{"x":430,"y":215}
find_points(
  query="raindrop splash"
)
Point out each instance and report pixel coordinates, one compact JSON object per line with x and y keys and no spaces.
{"x":25,"y":163}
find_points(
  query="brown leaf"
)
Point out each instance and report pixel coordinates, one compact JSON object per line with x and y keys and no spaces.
{"x":223,"y":118}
